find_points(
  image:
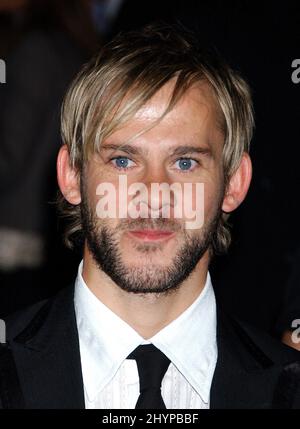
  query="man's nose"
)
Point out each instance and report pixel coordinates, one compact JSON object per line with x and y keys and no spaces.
{"x":160,"y":196}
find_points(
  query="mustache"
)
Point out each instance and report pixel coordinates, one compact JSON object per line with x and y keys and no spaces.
{"x":161,"y":224}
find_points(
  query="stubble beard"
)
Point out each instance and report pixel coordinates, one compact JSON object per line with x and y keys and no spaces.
{"x":152,"y":278}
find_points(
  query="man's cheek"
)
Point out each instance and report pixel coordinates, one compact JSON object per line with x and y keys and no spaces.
{"x":106,"y":206}
{"x":194,"y":205}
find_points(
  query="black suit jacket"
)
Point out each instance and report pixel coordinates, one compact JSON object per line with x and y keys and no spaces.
{"x":253,"y":370}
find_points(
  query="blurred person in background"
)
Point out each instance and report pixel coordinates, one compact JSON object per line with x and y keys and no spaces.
{"x":43,"y":44}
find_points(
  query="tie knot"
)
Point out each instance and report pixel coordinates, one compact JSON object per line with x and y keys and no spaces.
{"x":152,"y":365}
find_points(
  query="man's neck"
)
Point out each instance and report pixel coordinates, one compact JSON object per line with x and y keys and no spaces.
{"x":150,"y":312}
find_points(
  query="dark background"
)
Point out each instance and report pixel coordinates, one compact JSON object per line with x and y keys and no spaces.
{"x":257,"y":279}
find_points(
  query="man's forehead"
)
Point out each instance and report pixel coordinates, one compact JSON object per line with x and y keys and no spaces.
{"x":192,"y":121}
{"x":199,"y":94}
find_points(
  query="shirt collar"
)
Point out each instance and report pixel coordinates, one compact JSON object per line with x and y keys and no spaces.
{"x":106,"y":340}
{"x":190,"y":341}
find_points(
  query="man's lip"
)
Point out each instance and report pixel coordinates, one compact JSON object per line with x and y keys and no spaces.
{"x":151,"y":234}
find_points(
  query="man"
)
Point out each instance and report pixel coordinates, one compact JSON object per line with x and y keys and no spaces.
{"x":141,"y":328}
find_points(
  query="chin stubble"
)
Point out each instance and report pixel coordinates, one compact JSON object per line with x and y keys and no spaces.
{"x":151,"y":278}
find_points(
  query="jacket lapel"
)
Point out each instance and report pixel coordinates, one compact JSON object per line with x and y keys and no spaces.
{"x":245,"y":376}
{"x":48,"y":358}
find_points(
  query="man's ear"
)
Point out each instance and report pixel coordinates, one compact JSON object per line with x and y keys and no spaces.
{"x":68,"y":177}
{"x":238,"y":185}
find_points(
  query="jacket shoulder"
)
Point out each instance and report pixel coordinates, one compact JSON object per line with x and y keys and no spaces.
{"x":33,"y":329}
{"x":279,"y":359}
{"x":33,"y":317}
{"x":16,"y":322}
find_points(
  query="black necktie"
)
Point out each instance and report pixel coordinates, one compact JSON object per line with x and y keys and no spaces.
{"x":152,"y":365}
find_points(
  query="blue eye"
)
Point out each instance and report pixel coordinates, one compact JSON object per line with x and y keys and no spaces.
{"x":186,"y":163}
{"x":122,"y":162}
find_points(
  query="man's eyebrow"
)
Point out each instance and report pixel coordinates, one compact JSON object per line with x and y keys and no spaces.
{"x":179,"y":150}
{"x":184,"y":150}
{"x":132,"y":150}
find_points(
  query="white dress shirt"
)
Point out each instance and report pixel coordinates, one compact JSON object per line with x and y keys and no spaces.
{"x":112,"y":382}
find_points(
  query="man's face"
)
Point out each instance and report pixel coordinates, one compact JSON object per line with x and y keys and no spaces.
{"x":156,"y":253}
